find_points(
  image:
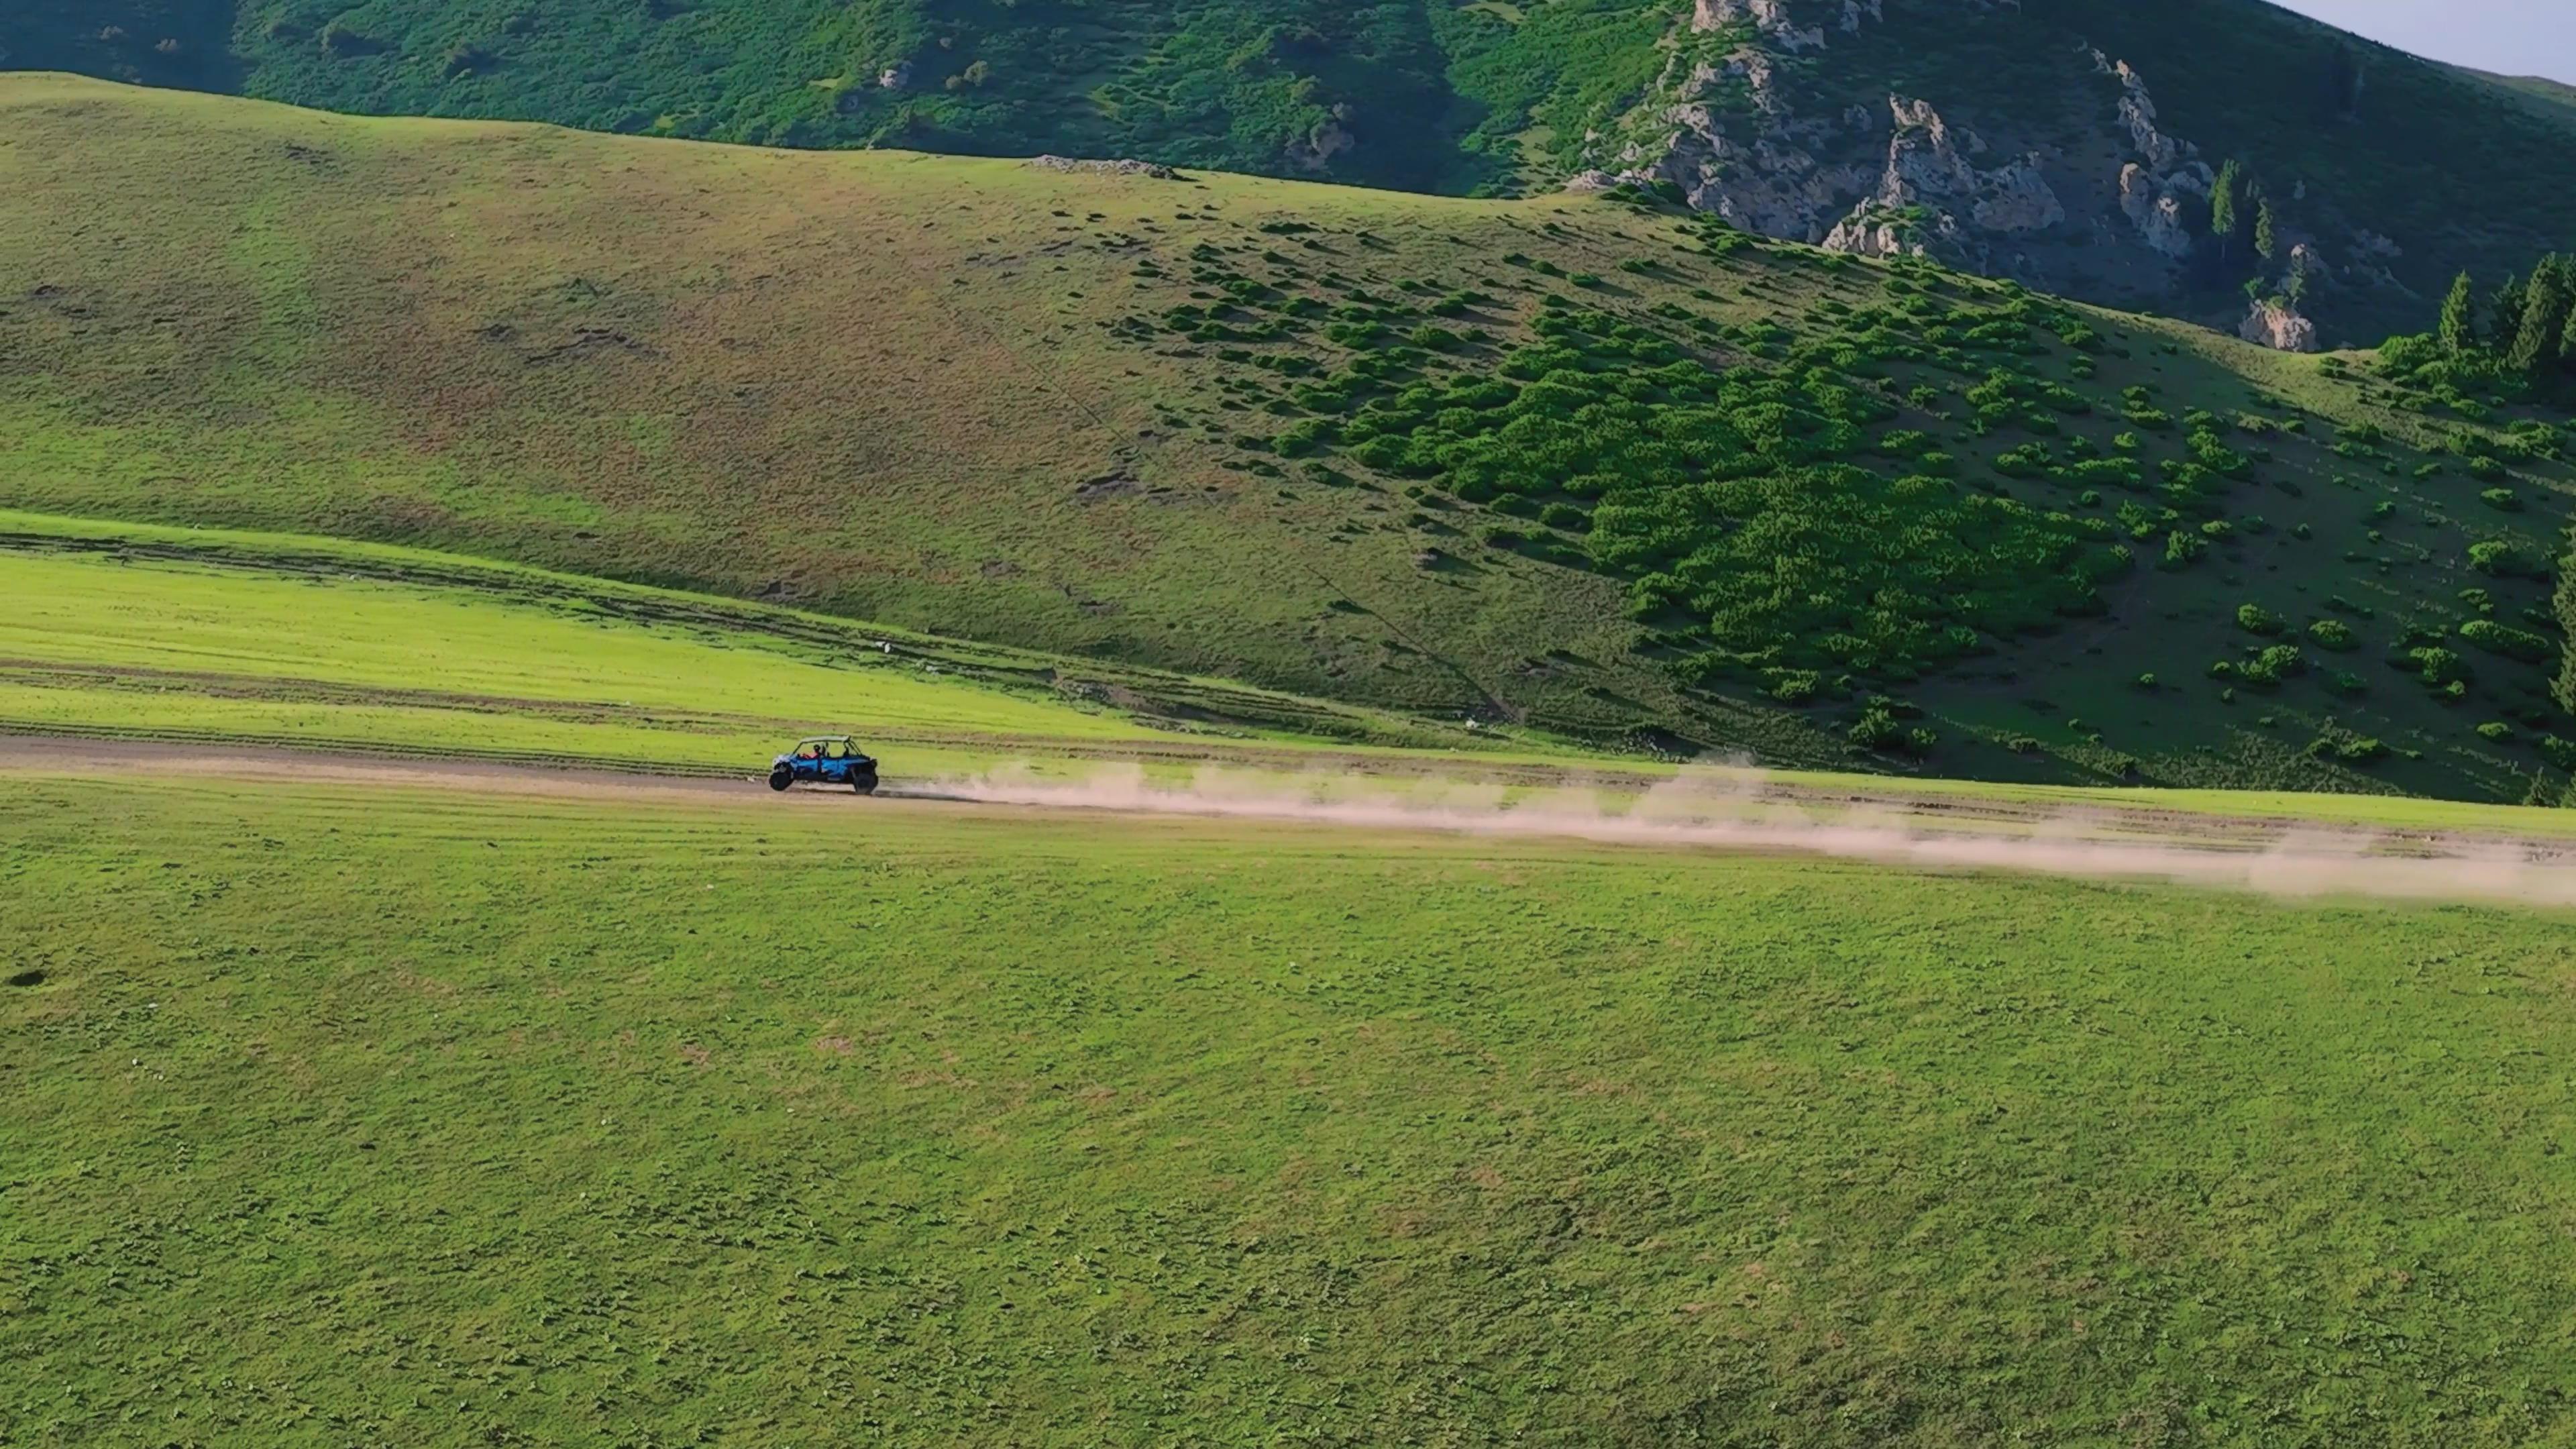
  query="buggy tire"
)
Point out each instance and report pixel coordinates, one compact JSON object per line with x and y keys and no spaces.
{"x":864,"y":784}
{"x":780,"y":779}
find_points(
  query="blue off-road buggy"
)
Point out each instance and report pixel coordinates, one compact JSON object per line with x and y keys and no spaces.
{"x":825,"y":760}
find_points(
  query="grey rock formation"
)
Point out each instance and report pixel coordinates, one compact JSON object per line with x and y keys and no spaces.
{"x":2157,"y":190}
{"x":1753,"y":122}
{"x":1329,"y":138}
{"x":1928,"y":166}
{"x":1771,"y":17}
{"x":2156,"y":210}
{"x":2279,"y":326}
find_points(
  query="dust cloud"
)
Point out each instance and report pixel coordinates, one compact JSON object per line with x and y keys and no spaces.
{"x":1734,"y":810}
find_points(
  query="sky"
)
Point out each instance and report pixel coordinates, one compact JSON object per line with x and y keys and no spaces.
{"x":2509,"y":37}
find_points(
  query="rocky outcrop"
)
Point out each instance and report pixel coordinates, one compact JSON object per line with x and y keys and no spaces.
{"x":1928,"y":165}
{"x":1770,"y":17}
{"x":2155,"y":208}
{"x":1315,"y":152}
{"x":1771,"y":184}
{"x":2161,"y":190}
{"x":1757,"y":119}
{"x":2278,"y":325}
{"x":1931,"y":199}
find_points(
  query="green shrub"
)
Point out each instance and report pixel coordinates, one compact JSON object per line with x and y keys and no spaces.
{"x":2269,"y":668}
{"x":2438,"y":667}
{"x":2345,"y":747}
{"x":1796,"y":686}
{"x":2255,"y":619}
{"x":2510,"y":642}
{"x":1877,"y":729}
{"x":2504,"y":561}
{"x":2332,"y":634}
{"x":2496,"y":730}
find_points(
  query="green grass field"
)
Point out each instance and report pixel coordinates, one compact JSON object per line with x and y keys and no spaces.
{"x":414,"y":1115}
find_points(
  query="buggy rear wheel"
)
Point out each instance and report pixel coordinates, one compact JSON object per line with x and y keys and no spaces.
{"x":780,"y":779}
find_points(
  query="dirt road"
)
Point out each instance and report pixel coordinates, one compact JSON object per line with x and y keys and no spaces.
{"x":1719,"y":810}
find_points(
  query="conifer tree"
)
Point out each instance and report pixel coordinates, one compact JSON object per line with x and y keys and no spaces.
{"x":2225,"y":202}
{"x":2544,"y":316}
{"x":2505,"y":312}
{"x":2267,"y":233}
{"x":2460,"y":316}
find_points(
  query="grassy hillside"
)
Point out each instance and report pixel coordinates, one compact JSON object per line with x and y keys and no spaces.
{"x":409,"y":1115}
{"x":1425,"y":95}
{"x":137,"y":631}
{"x":1571,"y":462}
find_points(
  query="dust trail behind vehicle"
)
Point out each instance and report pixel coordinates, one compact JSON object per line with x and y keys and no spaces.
{"x":1729,"y":810}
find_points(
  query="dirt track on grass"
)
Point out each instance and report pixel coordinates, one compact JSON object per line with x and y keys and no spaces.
{"x":1708,"y":810}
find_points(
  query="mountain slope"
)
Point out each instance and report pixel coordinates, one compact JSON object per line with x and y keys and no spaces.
{"x":2075,"y":144}
{"x":2071,"y":143}
{"x":1569,"y":461}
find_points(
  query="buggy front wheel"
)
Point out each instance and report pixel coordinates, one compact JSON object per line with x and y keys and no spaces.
{"x":780,"y":779}
{"x":864,"y":784}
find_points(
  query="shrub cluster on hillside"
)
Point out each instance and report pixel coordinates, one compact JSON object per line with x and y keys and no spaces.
{"x":1771,"y":527}
{"x":1895,"y":469}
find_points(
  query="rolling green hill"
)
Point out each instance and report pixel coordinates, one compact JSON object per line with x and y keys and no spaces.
{"x":386,"y":1112}
{"x":2011,"y":150}
{"x":1579,"y":462}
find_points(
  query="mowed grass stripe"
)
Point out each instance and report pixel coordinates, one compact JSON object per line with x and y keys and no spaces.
{"x":406,"y":1115}
{"x":98,"y":611}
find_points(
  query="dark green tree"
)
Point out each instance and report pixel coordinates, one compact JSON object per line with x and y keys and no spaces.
{"x":2505,"y":311}
{"x":2267,"y":231}
{"x":2460,"y":316}
{"x":2227,"y":205}
{"x":2566,"y":688}
{"x":2544,"y":316}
